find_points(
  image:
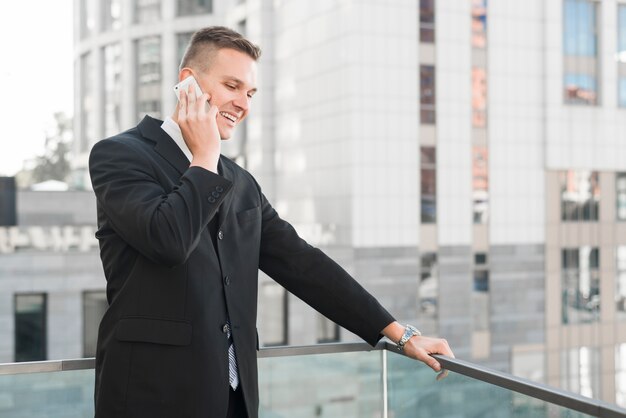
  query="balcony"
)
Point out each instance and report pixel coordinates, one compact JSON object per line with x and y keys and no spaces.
{"x":330,"y":380}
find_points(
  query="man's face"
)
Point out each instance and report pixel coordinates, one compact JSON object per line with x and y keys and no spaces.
{"x":231,"y":83}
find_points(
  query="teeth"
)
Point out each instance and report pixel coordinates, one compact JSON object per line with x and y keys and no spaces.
{"x":229,"y":116}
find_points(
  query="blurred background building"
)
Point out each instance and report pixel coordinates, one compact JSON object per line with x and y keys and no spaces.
{"x":462,"y":159}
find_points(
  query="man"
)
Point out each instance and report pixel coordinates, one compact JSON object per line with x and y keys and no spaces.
{"x":183,"y":232}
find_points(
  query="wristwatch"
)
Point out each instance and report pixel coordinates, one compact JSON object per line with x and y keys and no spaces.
{"x":409,"y":331}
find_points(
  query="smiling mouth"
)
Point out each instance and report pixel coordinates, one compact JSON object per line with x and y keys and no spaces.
{"x":229,"y":116}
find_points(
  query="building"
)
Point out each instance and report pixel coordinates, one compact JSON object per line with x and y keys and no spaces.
{"x":51,"y":281}
{"x":462,"y":159}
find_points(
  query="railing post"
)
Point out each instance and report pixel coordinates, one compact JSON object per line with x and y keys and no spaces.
{"x":385,"y":394}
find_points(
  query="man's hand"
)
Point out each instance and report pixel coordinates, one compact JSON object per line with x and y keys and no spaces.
{"x":198,"y":124}
{"x":420,"y":347}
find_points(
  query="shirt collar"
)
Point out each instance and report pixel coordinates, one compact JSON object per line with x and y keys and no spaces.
{"x":173,"y":130}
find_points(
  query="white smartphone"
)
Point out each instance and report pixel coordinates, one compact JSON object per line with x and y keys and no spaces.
{"x":184,"y":85}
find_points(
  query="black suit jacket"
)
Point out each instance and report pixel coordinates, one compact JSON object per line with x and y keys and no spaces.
{"x":162,"y":351}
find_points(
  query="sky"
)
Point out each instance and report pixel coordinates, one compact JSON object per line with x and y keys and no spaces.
{"x":36,"y":75}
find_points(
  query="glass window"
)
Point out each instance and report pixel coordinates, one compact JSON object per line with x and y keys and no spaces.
{"x":580,"y":371}
{"x":30,"y":327}
{"x":327,"y":330}
{"x":580,"y":51}
{"x":580,"y":285}
{"x":580,"y":89}
{"x":580,"y":28}
{"x":427,"y":94}
{"x":193,"y":7}
{"x":428,"y":288}
{"x":111,"y":15}
{"x":182,"y":40}
{"x":274,"y":314}
{"x":480,"y":295}
{"x":620,"y":282}
{"x":620,"y":192}
{"x":149,"y":77}
{"x":479,"y":97}
{"x":87,"y":111}
{"x":479,"y":23}
{"x":94,"y":306}
{"x":481,"y":273}
{"x":87,"y":18}
{"x":620,"y":375}
{"x":147,"y":11}
{"x":621,"y":53}
{"x":580,"y":195}
{"x":428,"y":192}
{"x":427,"y":21}
{"x":112,"y":89}
{"x":622,"y":88}
{"x":480,"y":183}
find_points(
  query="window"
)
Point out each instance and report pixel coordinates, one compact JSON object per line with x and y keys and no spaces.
{"x":427,"y":21}
{"x":481,"y":273}
{"x":182,"y":40}
{"x":620,"y":196}
{"x":480,"y":183}
{"x":30,"y":327}
{"x":427,"y":94}
{"x":111,"y":15}
{"x":621,"y":53}
{"x":94,"y":306}
{"x":149,"y":77}
{"x":428,"y":193}
{"x":580,"y":195}
{"x":620,"y":282}
{"x":580,"y":47}
{"x":274,"y":314}
{"x":193,"y":7}
{"x":479,"y":97}
{"x":87,"y":110}
{"x":327,"y":330}
{"x":580,"y":371}
{"x":580,"y":281}
{"x":620,"y":375}
{"x":480,"y":295}
{"x":428,"y":288}
{"x":147,"y":11}
{"x":87,"y":18}
{"x":479,"y":23}
{"x":112,"y":88}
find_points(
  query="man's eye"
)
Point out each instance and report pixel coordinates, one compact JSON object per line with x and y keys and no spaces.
{"x":230,"y":86}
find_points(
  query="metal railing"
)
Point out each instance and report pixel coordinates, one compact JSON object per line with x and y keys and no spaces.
{"x":579,"y":403}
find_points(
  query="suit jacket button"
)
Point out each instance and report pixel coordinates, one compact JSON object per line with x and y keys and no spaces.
{"x":215,"y":194}
{"x":220,"y":235}
{"x":211,"y":199}
{"x":219,"y":189}
{"x":225,"y":329}
{"x":226,"y":280}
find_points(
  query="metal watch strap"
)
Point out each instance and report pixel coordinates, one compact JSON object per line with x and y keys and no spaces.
{"x":409,"y":331}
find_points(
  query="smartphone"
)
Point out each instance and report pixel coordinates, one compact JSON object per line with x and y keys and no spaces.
{"x":184,"y":85}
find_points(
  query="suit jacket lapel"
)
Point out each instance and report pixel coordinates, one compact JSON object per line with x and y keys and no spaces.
{"x":151,"y":128}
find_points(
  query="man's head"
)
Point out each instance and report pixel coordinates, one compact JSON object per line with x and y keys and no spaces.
{"x":224,"y":63}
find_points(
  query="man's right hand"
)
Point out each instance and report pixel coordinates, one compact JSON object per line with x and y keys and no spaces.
{"x":198,"y":124}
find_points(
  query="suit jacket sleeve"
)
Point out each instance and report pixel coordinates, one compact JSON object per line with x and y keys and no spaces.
{"x":163,"y":225}
{"x":316,"y":279}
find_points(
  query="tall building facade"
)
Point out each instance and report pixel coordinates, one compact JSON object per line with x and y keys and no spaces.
{"x":462,"y":159}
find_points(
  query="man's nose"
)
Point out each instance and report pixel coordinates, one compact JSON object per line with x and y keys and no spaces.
{"x":242,"y":101}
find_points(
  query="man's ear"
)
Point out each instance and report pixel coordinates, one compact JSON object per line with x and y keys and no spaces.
{"x":184,"y":73}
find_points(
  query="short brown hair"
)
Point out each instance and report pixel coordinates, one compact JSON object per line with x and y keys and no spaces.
{"x":206,"y":41}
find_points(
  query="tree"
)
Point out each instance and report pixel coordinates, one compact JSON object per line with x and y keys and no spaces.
{"x":54,"y":163}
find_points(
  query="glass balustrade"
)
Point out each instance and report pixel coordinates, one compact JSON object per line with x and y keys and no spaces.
{"x":334,"y":380}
